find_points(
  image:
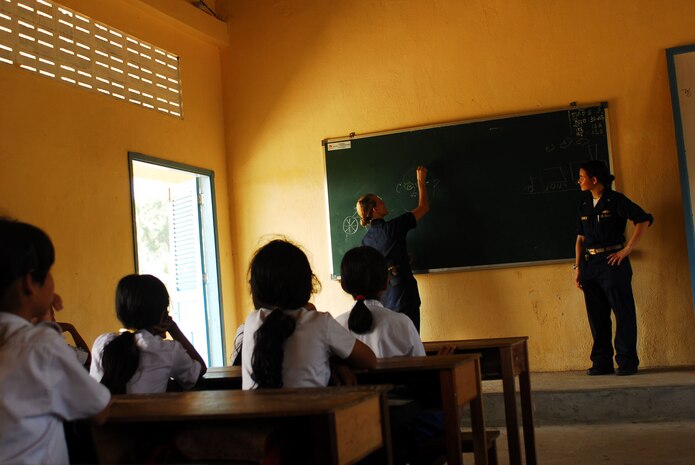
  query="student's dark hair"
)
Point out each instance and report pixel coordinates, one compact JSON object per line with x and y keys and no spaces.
{"x":141,"y":300}
{"x":281,"y":279}
{"x":364,"y":275}
{"x":599,"y":170}
{"x":365,"y":207}
{"x":120,"y":360}
{"x":24,"y":249}
{"x":238,"y":345}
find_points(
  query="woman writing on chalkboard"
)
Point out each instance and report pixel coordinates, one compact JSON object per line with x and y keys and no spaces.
{"x":389,"y":238}
{"x":603,"y":268}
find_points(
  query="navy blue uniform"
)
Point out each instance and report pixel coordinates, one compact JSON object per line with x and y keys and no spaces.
{"x":607,"y":286}
{"x":389,"y":238}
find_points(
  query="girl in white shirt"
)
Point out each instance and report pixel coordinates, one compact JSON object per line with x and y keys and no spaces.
{"x":140,"y":360}
{"x":364,"y":275}
{"x":287,"y":343}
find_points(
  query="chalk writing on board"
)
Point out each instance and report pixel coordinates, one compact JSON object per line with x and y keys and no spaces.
{"x":553,"y":180}
{"x":566,"y":142}
{"x":350,"y":225}
{"x":409,"y":188}
{"x":564,"y":145}
{"x":589,"y":121}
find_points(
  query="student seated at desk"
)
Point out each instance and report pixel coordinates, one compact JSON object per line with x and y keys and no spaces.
{"x":140,"y":360}
{"x":41,"y":381}
{"x":364,"y":275}
{"x":287,"y":343}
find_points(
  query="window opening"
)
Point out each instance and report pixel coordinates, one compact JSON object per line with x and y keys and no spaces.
{"x":176,"y":240}
{"x":56,"y":42}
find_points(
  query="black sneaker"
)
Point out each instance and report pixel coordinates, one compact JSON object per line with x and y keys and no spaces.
{"x":626,"y":371}
{"x":598,"y":371}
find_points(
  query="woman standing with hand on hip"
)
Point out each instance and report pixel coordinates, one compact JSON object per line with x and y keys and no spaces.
{"x":603,"y":268}
{"x":389,"y":238}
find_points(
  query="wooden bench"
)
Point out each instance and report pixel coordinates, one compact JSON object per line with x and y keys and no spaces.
{"x":432,"y":451}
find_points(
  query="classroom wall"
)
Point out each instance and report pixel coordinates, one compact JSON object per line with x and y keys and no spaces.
{"x":299,"y":71}
{"x":64,"y":165}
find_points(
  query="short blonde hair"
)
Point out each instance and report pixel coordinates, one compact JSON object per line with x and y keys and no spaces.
{"x":365,"y":206}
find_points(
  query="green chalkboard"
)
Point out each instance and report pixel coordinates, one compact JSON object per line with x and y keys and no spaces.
{"x":502,"y":191}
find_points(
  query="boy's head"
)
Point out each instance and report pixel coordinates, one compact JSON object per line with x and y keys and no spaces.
{"x":26,"y":257}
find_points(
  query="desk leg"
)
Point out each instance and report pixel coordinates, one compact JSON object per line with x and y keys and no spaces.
{"x":386,"y":453}
{"x":527,"y":410}
{"x":478,"y":422}
{"x":509,"y":389}
{"x":452,"y":418}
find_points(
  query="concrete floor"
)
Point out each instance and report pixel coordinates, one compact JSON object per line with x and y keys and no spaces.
{"x":633,"y":444}
{"x":651,"y":439}
{"x":578,"y":380}
{"x":610,"y":444}
{"x":566,"y":398}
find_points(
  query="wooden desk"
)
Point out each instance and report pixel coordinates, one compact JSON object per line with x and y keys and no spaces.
{"x":220,"y":378}
{"x":456,"y":381}
{"x":341,"y":424}
{"x":504,"y":358}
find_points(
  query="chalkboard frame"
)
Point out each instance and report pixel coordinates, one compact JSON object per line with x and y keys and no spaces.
{"x":335,"y":267}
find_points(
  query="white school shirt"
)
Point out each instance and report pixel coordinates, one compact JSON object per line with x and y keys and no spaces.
{"x":41,"y":384}
{"x":316,"y":337}
{"x":160,"y":359}
{"x":393,"y":334}
{"x":238,"y":341}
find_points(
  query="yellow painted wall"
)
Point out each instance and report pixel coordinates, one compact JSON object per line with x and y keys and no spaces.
{"x":64,"y":166}
{"x":299,"y":71}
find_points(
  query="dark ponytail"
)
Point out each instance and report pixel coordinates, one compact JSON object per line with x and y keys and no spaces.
{"x":141,"y":301}
{"x":280,"y":279}
{"x":361,"y":319}
{"x":364,"y":275}
{"x":268,"y":351}
{"x":120,"y":360}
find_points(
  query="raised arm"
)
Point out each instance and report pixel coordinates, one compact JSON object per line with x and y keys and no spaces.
{"x":423,"y":205}
{"x":70,"y":329}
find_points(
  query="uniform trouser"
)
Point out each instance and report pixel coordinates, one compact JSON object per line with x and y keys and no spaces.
{"x":609,"y":287}
{"x":402,"y":296}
